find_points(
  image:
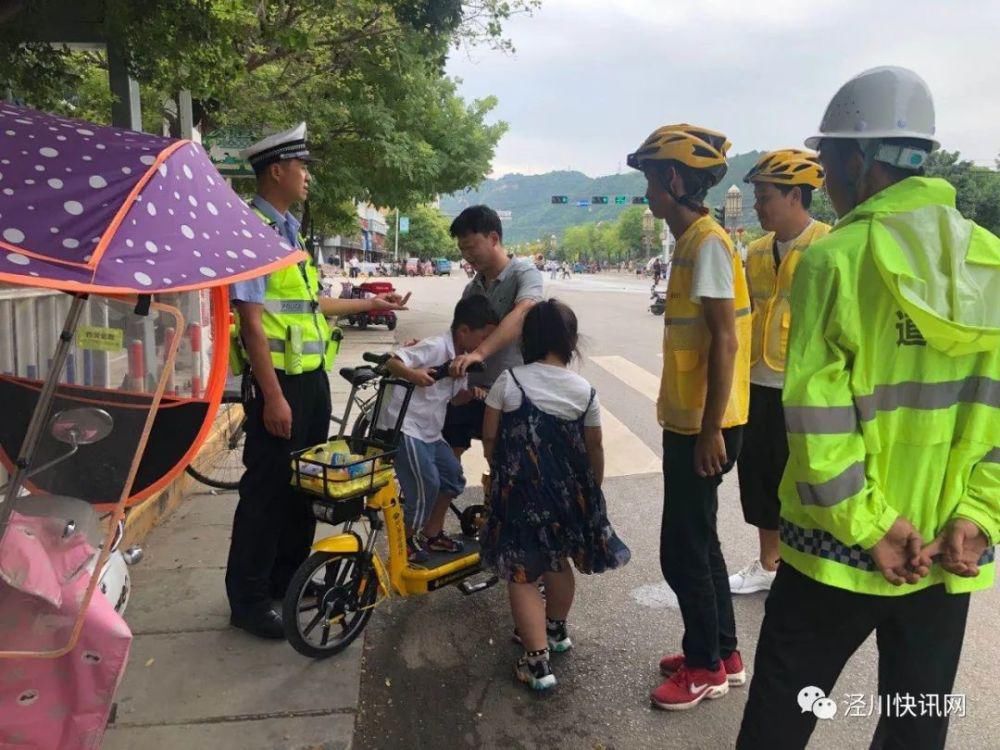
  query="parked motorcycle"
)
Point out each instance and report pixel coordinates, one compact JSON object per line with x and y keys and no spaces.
{"x":657,"y":300}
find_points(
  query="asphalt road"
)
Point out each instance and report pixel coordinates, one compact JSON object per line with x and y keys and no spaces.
{"x":438,"y":670}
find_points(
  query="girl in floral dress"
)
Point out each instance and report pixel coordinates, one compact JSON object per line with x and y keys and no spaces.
{"x":542,"y":435}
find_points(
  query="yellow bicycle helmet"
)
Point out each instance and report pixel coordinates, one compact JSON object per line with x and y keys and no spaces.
{"x":695,"y":147}
{"x":692,"y":146}
{"x":788,"y":166}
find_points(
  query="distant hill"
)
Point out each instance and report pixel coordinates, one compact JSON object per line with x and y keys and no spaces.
{"x":528,"y":198}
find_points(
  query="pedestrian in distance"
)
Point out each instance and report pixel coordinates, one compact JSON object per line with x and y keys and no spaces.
{"x":783,"y":184}
{"x":287,"y":347}
{"x":702,"y":406}
{"x":890,"y":505}
{"x":542,"y":436}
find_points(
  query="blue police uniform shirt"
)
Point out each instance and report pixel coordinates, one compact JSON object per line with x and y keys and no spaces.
{"x":252,"y":290}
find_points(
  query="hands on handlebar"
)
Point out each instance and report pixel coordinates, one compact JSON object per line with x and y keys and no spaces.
{"x":436,"y":373}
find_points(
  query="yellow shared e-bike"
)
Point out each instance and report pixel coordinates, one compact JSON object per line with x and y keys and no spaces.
{"x":352,"y":482}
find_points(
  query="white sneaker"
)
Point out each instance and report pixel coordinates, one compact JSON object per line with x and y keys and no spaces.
{"x":751,"y":579}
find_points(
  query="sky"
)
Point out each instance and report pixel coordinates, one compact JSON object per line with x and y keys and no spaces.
{"x":590,"y":79}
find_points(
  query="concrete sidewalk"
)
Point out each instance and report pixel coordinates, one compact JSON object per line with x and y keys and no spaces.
{"x":195,"y":682}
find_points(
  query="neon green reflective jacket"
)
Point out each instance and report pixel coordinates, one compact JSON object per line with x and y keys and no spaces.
{"x":892,"y":392}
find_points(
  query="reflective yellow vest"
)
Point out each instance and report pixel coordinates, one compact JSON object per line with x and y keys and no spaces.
{"x":686,"y":339}
{"x":770,"y":291}
{"x":298,"y":336}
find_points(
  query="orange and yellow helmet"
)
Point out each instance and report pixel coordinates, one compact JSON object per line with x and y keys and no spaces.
{"x":695,"y":147}
{"x":788,"y":166}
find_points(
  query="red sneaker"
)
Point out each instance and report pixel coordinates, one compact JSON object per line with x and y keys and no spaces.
{"x":736,"y":675}
{"x":686,"y":688}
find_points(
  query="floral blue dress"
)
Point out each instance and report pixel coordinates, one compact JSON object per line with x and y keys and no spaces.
{"x":545,"y":504}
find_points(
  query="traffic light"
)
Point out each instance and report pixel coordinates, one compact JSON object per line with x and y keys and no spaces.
{"x":621,"y":200}
{"x":599,"y":200}
{"x":720,"y":215}
{"x":639,"y":200}
{"x":560,"y":199}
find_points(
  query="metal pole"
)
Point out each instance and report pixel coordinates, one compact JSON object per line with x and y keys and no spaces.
{"x":395,"y":254}
{"x":41,"y":414}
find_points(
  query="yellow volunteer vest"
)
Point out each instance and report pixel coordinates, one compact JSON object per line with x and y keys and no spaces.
{"x":298,"y":336}
{"x":770,"y":290}
{"x":684,"y":383}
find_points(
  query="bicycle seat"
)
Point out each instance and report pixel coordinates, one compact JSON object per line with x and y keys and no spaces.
{"x":357,"y":375}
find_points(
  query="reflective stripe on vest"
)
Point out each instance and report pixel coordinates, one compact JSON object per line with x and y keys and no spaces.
{"x":771,"y":289}
{"x":824,"y":545}
{"x":308,"y":347}
{"x":291,"y":298}
{"x":291,"y":306}
{"x":686,"y":340}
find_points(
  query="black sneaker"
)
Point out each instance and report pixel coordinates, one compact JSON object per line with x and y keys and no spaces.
{"x":537,"y":675}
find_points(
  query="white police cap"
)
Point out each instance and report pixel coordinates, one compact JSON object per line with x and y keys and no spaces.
{"x":289,"y":144}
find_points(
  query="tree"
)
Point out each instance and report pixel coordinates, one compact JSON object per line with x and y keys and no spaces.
{"x":428,"y":235}
{"x":977,"y":188}
{"x":385,"y":123}
{"x":630,"y":229}
{"x":821,"y":209}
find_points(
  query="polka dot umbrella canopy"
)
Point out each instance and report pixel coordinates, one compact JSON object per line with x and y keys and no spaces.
{"x":87,"y":208}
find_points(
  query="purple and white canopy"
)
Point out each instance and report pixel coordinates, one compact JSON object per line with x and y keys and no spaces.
{"x":89,"y":208}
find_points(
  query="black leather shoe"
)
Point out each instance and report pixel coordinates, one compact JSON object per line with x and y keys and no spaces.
{"x":265,"y":624}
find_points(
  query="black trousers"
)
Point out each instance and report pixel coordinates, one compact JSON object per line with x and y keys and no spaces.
{"x":763,"y":458}
{"x":690,"y":554}
{"x":274,"y":526}
{"x":810,"y":631}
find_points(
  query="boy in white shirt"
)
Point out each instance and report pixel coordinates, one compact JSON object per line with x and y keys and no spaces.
{"x":428,"y":471}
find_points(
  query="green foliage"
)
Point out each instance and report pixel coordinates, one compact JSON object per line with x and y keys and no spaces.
{"x":977,"y":188}
{"x":821,"y":209}
{"x":385,"y":124}
{"x":428,"y":236}
{"x":621,"y":239}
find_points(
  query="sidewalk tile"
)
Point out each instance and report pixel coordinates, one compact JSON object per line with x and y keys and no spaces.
{"x":215,"y":674}
{"x":332,"y":732}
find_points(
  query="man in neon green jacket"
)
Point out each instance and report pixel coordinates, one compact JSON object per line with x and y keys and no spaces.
{"x":890,"y":503}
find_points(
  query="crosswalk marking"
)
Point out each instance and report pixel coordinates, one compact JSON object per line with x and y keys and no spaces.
{"x":624,"y":453}
{"x":631,"y":374}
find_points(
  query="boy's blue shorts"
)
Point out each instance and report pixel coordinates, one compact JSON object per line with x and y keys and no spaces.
{"x":426,"y":470}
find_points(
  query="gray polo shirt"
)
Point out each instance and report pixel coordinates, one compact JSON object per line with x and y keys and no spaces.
{"x":518,"y":281}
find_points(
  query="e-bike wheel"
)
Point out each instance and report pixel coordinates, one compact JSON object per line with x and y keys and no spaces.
{"x":328,"y":603}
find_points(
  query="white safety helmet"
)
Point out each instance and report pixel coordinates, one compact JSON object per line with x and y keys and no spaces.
{"x":885,"y":102}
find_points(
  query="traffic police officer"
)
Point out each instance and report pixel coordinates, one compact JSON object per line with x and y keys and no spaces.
{"x":289,"y":347}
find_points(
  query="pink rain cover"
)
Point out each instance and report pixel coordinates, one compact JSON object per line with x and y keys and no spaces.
{"x":96,"y":209}
{"x":55,"y":703}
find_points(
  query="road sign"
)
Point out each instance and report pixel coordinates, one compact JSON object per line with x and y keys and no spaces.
{"x":404,"y":224}
{"x":639,"y":200}
{"x":583,"y":203}
{"x":224,"y":146}
{"x":561,"y":199}
{"x":599,"y":200}
{"x":621,"y":200}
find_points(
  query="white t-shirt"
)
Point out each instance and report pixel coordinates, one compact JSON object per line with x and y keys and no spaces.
{"x":713,"y":272}
{"x":425,"y":415}
{"x":555,"y":390}
{"x":354,"y":262}
{"x":760,"y":373}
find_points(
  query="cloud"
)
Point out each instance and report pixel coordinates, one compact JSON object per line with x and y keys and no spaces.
{"x":591,"y":79}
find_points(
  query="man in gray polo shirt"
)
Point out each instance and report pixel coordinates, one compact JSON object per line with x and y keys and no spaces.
{"x":512,"y":286}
